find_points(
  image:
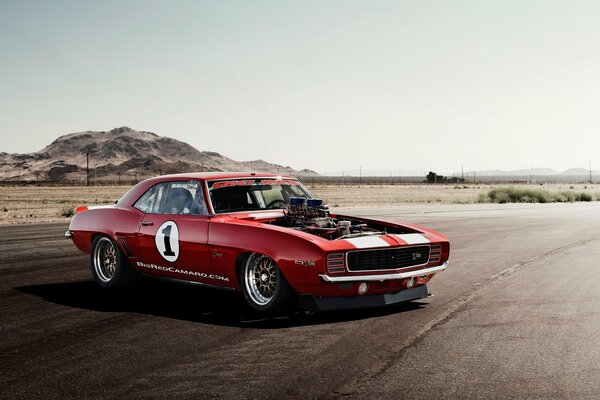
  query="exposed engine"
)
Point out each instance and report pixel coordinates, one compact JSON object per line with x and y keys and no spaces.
{"x":312,"y":216}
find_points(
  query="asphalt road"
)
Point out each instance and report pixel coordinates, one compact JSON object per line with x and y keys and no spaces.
{"x":516,"y":315}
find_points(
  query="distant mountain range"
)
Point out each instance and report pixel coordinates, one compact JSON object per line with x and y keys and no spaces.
{"x":122,"y":151}
{"x":127,"y":153}
{"x":538,"y":172}
{"x":572,"y":172}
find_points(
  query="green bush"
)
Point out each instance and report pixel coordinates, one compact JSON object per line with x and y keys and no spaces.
{"x":526,"y":195}
{"x":584,"y":197}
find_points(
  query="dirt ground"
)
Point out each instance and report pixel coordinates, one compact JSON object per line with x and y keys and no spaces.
{"x":36,"y":204}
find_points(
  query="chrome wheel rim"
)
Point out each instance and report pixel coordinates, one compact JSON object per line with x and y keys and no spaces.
{"x":105,"y":259}
{"x":261,"y":279}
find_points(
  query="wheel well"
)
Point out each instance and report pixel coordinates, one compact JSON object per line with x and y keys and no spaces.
{"x":93,"y":237}
{"x":117,"y":242}
{"x":241,"y":259}
{"x":239,"y":263}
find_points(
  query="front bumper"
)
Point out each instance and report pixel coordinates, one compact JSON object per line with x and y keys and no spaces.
{"x":384,"y":277}
{"x":315,"y":303}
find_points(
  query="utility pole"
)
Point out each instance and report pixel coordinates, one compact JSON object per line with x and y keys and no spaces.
{"x":359,"y":175}
{"x":462,"y":173}
{"x":87,"y":168}
{"x":591,"y":173}
{"x":119,"y":175}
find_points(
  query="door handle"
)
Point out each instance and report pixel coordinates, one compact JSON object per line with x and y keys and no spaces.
{"x":147,"y":223}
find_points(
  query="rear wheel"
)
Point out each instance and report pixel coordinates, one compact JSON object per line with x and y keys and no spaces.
{"x":264,"y":287}
{"x":110,"y":267}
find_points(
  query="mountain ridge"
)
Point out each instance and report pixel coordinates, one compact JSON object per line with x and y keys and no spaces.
{"x":122,"y":151}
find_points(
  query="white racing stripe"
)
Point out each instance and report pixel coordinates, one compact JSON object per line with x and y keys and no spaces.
{"x":413,"y":238}
{"x":365,"y":242}
{"x":266,"y":215}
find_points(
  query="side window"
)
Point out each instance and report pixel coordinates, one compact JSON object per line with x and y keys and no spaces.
{"x":146,"y":202}
{"x":173,"y":198}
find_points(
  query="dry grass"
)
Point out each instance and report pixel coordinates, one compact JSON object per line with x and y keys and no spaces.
{"x":32,"y":204}
{"x":389,"y":195}
{"x":386,"y":195}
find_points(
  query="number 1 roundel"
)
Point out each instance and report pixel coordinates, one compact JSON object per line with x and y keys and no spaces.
{"x":167,"y":241}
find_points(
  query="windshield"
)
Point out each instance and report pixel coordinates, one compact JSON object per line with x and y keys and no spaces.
{"x":254,"y":194}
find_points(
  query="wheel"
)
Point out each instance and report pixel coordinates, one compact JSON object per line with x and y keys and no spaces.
{"x":276,"y":204}
{"x":264,"y":287}
{"x":110,"y":267}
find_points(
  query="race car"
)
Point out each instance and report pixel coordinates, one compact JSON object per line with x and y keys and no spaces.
{"x":264,"y":235}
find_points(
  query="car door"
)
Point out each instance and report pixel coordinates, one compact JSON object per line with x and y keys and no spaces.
{"x":173,"y":235}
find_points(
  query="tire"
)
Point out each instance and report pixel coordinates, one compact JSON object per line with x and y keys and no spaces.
{"x":110,"y":267}
{"x":264,"y":287}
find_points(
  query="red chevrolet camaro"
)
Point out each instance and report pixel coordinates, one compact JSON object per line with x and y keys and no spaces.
{"x":264,"y":235}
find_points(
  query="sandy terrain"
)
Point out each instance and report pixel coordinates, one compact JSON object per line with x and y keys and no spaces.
{"x":34,"y":204}
{"x":386,"y":195}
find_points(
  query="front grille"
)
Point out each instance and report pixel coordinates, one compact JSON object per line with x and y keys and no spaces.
{"x":335,"y":262}
{"x":436,"y":253}
{"x":400,"y":257}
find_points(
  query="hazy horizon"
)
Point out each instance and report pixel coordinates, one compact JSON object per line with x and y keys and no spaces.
{"x":395,"y":86}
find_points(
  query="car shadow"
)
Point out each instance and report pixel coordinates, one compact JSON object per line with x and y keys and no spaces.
{"x":188,"y":303}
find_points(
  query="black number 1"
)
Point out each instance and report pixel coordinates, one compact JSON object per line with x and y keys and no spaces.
{"x":167,"y":232}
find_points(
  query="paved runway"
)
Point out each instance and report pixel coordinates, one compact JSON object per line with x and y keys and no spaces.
{"x":516,"y":315}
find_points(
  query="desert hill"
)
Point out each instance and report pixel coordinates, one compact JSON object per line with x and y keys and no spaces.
{"x":122,"y":152}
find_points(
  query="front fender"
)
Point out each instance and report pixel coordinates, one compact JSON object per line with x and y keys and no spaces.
{"x":299,"y":259}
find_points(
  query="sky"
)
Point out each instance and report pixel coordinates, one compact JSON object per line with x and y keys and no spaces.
{"x":327,"y":85}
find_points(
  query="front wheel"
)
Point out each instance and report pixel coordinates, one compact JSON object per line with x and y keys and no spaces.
{"x":110,"y":267}
{"x":264,"y":287}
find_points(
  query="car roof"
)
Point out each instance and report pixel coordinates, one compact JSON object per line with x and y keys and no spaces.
{"x":223,"y":175}
{"x":135,"y":192}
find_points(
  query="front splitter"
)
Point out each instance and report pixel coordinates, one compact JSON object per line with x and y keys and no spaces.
{"x":315,"y":303}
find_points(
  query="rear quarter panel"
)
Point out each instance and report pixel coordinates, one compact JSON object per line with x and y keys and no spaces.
{"x":112,"y":222}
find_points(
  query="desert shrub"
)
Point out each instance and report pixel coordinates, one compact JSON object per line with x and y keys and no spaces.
{"x":514,"y":195}
{"x":526,"y":195}
{"x":67,"y":212}
{"x":584,"y":197}
{"x":563,"y":197}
